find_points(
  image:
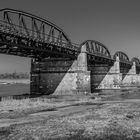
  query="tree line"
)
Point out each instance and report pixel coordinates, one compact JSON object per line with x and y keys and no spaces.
{"x":15,"y":75}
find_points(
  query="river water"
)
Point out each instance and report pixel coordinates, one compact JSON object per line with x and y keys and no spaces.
{"x":14,"y":89}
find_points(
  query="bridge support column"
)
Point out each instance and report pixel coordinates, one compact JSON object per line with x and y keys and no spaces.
{"x":83,"y":75}
{"x":60,"y":76}
{"x":131,"y":78}
{"x":113,"y":77}
{"x":77,"y":79}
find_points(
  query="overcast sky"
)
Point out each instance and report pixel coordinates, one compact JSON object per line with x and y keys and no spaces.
{"x":115,"y":23}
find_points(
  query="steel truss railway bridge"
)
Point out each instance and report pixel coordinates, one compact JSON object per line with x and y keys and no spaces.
{"x":56,"y":60}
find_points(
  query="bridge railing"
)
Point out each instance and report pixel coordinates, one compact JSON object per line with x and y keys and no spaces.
{"x":14,"y":29}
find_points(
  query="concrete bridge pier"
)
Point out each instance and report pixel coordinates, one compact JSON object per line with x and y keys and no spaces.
{"x":132,"y":78}
{"x":60,"y":76}
{"x":77,"y":78}
{"x":113,"y":78}
{"x":83,"y":75}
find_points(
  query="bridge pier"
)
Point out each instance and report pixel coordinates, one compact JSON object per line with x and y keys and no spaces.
{"x":132,"y":78}
{"x":111,"y":78}
{"x":61,"y":72}
{"x":64,"y":76}
{"x":85,"y":74}
{"x":60,"y":76}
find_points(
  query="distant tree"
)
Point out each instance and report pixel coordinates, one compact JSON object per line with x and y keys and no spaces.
{"x":15,"y":75}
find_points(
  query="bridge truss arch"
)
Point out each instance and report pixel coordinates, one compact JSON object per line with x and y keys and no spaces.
{"x":32,"y":26}
{"x":136,"y":60}
{"x":27,"y":35}
{"x":122,"y":56}
{"x":95,"y":48}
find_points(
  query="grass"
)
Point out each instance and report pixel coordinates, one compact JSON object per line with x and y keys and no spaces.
{"x":110,"y":122}
{"x":103,"y":121}
{"x":12,"y":108}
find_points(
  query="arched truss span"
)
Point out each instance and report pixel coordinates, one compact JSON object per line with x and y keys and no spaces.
{"x":95,"y":47}
{"x":122,"y":56}
{"x":32,"y":26}
{"x":136,"y":60}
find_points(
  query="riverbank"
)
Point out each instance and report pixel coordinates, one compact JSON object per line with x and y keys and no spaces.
{"x":14,"y":81}
{"x":71,"y":117}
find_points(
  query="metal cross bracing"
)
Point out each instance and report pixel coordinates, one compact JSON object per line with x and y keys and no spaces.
{"x":96,"y":52}
{"x":125,"y":62}
{"x":24,"y":34}
{"x":96,"y":48}
{"x":27,"y":35}
{"x":136,"y":60}
{"x":124,"y":59}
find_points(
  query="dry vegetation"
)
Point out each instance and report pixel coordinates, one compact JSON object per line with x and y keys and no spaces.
{"x":11,"y":108}
{"x":75,"y":118}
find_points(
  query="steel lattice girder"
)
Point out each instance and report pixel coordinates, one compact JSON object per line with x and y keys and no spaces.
{"x":12,"y":44}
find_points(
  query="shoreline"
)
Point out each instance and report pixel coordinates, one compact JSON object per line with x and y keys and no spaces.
{"x":14,"y":81}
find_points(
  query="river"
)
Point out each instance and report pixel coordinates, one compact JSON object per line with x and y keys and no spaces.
{"x":14,"y":88}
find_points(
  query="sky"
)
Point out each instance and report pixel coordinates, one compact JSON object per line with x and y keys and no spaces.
{"x":115,"y":23}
